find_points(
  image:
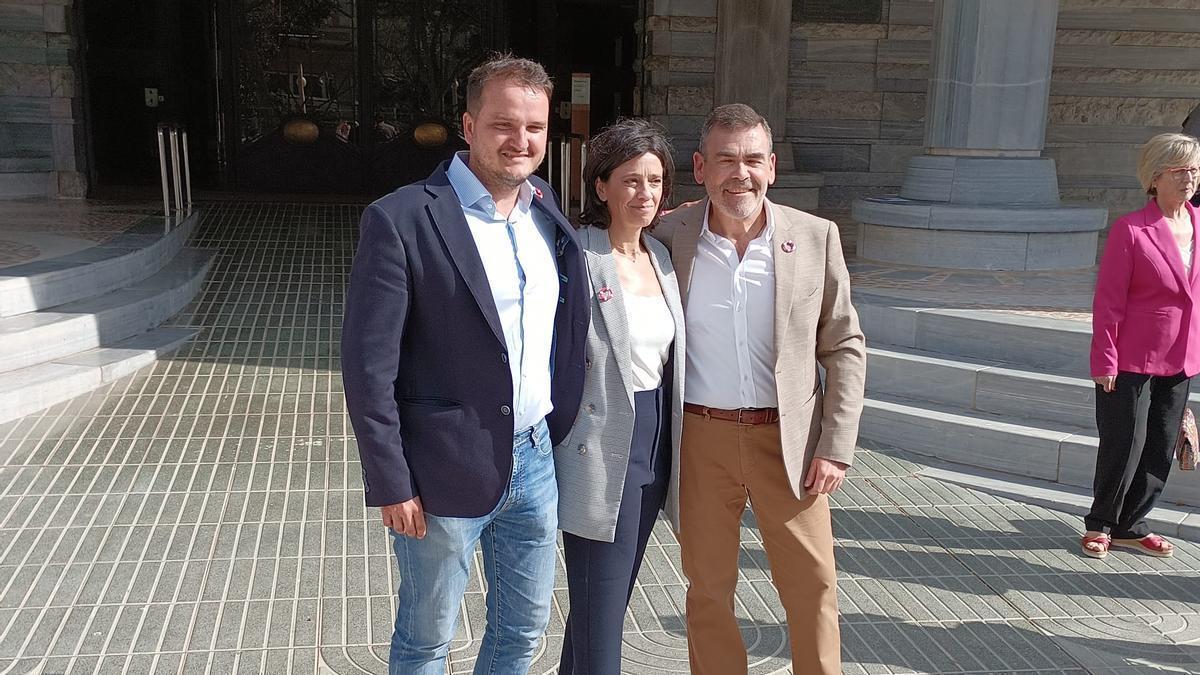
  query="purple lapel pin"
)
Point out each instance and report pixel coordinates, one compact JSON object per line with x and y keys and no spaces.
{"x":537,"y":193}
{"x":604,"y":294}
{"x":788,"y":246}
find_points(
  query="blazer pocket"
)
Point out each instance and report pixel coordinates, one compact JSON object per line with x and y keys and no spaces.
{"x":434,"y":428}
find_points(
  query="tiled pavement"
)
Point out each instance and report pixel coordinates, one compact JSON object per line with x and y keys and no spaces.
{"x":207,"y":517}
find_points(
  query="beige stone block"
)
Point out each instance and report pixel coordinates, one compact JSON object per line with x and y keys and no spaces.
{"x":23,"y":79}
{"x":859,"y":51}
{"x":839,"y":105}
{"x":887,"y":158}
{"x":1126,"y":75}
{"x":1121,"y":111}
{"x":655,"y":63}
{"x":694,"y":24}
{"x":1127,"y":38}
{"x":1117,"y":201}
{"x":72,"y":185}
{"x":22,"y":38}
{"x":844,"y":31}
{"x":831,"y":75}
{"x":908,"y":32}
{"x":692,"y":64}
{"x":62,"y":81}
{"x":655,"y":100}
{"x":689,"y":100}
{"x":55,"y":17}
{"x":654,"y":23}
{"x":1065,"y":5}
{"x":904,"y":107}
{"x":1100,"y":159}
{"x":902,"y":71}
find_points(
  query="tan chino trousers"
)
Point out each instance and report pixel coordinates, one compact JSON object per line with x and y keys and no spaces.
{"x":724,"y":464}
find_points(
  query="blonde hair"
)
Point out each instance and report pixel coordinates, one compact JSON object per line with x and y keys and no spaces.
{"x":1165,"y":151}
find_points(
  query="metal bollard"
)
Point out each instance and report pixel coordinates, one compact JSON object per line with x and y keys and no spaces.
{"x":162,"y":165}
{"x":187,"y":172}
{"x":169,"y":136}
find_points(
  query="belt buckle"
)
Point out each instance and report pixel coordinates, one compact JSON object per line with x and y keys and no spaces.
{"x":741,"y":411}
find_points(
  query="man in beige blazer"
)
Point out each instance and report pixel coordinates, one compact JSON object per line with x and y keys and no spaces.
{"x":766,"y":299}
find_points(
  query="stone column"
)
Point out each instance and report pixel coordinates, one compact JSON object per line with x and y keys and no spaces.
{"x":982,"y":197}
{"x":752,"y":57}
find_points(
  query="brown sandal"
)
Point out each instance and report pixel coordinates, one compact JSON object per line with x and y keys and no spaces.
{"x":1102,"y":540}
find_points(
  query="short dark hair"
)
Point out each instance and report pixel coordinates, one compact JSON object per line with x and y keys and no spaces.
{"x":733,"y":117}
{"x":508,"y":68}
{"x":625,"y":140}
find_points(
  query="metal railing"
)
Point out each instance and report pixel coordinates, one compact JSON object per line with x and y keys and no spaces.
{"x":171,"y":139}
{"x":560,"y":168}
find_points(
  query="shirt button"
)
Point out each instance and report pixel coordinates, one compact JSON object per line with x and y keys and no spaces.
{"x":505,"y":410}
{"x":504,"y":358}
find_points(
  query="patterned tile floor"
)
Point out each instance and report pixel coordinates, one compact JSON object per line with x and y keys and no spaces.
{"x":206,"y":516}
{"x":36,"y":230}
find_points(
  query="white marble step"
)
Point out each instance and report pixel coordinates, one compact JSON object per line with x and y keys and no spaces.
{"x":1056,"y":452}
{"x":30,"y":389}
{"x":1032,"y":343}
{"x":128,"y":257}
{"x":48,"y":335}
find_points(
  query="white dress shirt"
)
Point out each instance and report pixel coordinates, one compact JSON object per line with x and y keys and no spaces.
{"x":650,"y":336}
{"x":523,"y":276}
{"x":731,"y":323}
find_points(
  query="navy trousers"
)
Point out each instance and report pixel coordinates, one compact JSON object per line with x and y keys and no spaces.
{"x":600,"y":574}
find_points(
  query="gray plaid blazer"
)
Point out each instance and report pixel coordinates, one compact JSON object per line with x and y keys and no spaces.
{"x":592,"y":461}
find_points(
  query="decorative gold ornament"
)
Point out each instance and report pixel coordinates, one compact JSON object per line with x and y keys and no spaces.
{"x":430,"y":135}
{"x":300,"y":131}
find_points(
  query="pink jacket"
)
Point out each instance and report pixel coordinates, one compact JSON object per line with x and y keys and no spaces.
{"x":1143,"y":317}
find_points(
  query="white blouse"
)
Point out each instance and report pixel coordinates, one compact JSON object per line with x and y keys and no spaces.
{"x":1186,"y":252}
{"x":651,"y":331}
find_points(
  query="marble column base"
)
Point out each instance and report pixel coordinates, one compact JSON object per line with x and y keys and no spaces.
{"x":978,"y":250}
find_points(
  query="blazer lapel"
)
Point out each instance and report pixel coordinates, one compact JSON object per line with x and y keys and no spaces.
{"x":602,"y":269}
{"x":785,"y":274}
{"x":1192,"y":212}
{"x":684,"y":242}
{"x":451,"y":224}
{"x":1160,"y":234}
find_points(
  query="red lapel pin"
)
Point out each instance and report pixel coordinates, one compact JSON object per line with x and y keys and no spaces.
{"x":537,"y":193}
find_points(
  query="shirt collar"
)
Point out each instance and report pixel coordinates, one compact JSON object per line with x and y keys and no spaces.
{"x":768,"y":231}
{"x":471,"y":192}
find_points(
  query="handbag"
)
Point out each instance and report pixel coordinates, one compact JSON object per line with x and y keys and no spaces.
{"x":1187,"y":447}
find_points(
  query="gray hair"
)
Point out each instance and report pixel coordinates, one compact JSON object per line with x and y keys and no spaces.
{"x":733,"y":117}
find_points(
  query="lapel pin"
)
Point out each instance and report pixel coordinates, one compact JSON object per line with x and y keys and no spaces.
{"x":537,"y":192}
{"x":604,"y":294}
{"x":788,"y":246}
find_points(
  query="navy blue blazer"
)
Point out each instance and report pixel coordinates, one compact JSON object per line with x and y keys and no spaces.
{"x":424,"y":361}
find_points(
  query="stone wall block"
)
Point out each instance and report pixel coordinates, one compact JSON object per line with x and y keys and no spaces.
{"x":904,"y":107}
{"x":683,"y":7}
{"x":19,"y":79}
{"x":22,"y":39}
{"x":62,"y":81}
{"x":915,"y":33}
{"x":905,"y":51}
{"x":832,"y":128}
{"x":831,"y":75}
{"x":689,"y":100}
{"x":831,"y":157}
{"x":693,"y":64}
{"x":655,"y":99}
{"x":694,"y":24}
{"x":910,"y":13}
{"x":841,"y":105}
{"x":55,"y":19}
{"x":841,"y":31}
{"x":888,"y":158}
{"x":1121,"y":111}
{"x":72,"y":184}
{"x":22,"y":17}
{"x":855,"y":51}
{"x":64,"y":146}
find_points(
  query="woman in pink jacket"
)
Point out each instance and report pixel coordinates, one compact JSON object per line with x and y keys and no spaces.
{"x":1145,"y":348}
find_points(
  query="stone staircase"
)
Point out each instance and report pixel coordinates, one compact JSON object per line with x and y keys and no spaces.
{"x":73,"y":323}
{"x":987,"y":388}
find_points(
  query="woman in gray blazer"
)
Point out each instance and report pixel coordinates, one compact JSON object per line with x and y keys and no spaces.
{"x":615,"y":468}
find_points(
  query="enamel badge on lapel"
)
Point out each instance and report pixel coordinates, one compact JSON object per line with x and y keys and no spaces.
{"x":788,"y":246}
{"x":604,"y":294}
{"x":537,"y":192}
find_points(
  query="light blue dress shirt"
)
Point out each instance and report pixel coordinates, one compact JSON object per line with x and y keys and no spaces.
{"x":523,"y":276}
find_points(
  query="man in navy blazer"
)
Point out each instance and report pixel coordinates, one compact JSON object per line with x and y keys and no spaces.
{"x":462,"y":358}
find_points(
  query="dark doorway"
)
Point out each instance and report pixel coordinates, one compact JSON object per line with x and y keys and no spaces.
{"x":147,"y":61}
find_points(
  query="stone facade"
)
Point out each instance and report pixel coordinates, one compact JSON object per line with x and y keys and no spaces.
{"x":1124,"y":70}
{"x":40,"y":126}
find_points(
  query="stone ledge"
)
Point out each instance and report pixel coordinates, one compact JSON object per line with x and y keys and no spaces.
{"x":911,"y":214}
{"x":975,"y":249}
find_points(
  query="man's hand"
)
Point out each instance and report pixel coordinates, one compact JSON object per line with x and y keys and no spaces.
{"x":1106,"y":382}
{"x":406,"y":518}
{"x":825,"y":476}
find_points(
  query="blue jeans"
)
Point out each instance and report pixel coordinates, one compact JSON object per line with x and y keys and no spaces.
{"x":519,"y":551}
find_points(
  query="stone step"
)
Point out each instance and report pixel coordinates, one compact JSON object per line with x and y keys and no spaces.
{"x":51,"y":334}
{"x":1055,"y":452}
{"x":27,"y":184}
{"x":1033,"y":343}
{"x":987,"y":387}
{"x":34,"y":388}
{"x":124,"y":259}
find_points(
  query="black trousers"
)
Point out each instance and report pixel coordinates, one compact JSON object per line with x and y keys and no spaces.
{"x":1138,"y":424}
{"x":600,"y":574}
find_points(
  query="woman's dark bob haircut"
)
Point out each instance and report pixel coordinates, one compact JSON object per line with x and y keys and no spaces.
{"x":626,"y":139}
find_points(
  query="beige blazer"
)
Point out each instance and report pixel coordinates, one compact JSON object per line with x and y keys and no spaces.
{"x":592,"y":461}
{"x":814,"y":324}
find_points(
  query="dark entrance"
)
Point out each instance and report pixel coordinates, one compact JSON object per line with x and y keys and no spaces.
{"x":328,"y":96}
{"x":147,"y":61}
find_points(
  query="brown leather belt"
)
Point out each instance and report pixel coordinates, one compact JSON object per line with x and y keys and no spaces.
{"x":741,"y":415}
